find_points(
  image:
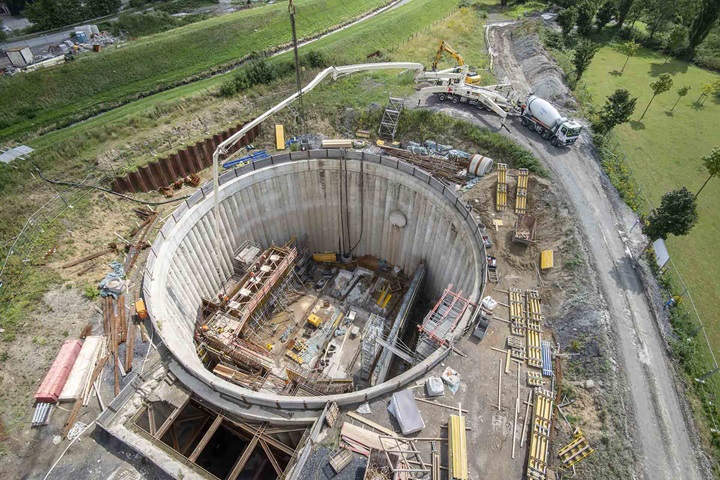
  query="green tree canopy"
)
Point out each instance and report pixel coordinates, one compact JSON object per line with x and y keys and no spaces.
{"x":676,"y":215}
{"x":585,"y":15}
{"x":712,"y":165}
{"x":605,"y":13}
{"x":705,"y":19}
{"x":617,"y":110}
{"x":661,"y":85}
{"x":682,"y":91}
{"x":584,"y":53}
{"x":629,"y":49}
{"x":566,"y":19}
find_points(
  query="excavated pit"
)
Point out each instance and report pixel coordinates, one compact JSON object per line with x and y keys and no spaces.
{"x":309,"y":193}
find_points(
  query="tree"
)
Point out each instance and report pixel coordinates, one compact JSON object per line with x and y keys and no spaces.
{"x":661,"y":85}
{"x":658,"y":14}
{"x":604,"y":14}
{"x":100,"y":8}
{"x":47,"y":14}
{"x":676,"y":215}
{"x":585,"y":15}
{"x":706,"y":90}
{"x":712,"y":165}
{"x":566,"y":19}
{"x":675,"y":40}
{"x":704,"y":21}
{"x":682,"y":91}
{"x":629,"y":49}
{"x":617,"y":109}
{"x":15,"y":6}
{"x":584,"y":53}
{"x":623,"y":8}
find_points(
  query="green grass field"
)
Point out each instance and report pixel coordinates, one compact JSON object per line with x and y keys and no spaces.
{"x":96,"y":82}
{"x":665,"y":151}
{"x":351,"y":45}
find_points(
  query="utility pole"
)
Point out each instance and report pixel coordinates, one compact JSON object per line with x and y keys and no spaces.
{"x":291,"y":11}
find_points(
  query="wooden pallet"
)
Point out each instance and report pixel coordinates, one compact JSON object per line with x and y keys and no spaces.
{"x":535,"y":318}
{"x":578,"y":449}
{"x":517,"y":312}
{"x":535,"y":379}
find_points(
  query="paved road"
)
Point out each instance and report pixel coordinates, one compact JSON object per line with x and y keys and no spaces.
{"x":667,"y":442}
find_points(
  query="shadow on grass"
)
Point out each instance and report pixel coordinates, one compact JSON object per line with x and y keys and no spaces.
{"x":616,"y":73}
{"x":671,"y":67}
{"x":669,"y":114}
{"x":637,"y":125}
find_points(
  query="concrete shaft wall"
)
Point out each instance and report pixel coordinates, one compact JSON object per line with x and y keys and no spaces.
{"x":287,"y":196}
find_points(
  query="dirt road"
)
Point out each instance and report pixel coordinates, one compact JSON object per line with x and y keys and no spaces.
{"x":663,"y":432}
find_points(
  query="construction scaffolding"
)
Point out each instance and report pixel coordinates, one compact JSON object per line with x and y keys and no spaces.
{"x":390,"y":118}
{"x":439,"y":324}
{"x":370,"y":346}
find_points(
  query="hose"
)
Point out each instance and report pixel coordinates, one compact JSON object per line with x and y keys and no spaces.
{"x":106,"y":190}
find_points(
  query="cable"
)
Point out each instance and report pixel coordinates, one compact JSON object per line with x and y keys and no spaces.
{"x":362,"y":204}
{"x":66,"y":449}
{"x":106,"y":190}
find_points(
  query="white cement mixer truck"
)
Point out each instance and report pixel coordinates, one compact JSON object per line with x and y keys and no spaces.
{"x":539,"y":116}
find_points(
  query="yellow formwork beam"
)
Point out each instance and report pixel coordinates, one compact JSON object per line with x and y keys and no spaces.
{"x":280,"y":137}
{"x":521,"y":192}
{"x":457,"y":448}
{"x":501,"y":196}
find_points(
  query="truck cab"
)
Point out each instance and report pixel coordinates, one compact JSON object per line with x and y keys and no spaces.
{"x":567,"y":133}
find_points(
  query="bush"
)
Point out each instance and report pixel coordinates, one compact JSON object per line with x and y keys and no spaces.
{"x":315,"y":59}
{"x":258,"y":72}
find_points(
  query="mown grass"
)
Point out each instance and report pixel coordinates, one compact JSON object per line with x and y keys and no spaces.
{"x":664,"y":152}
{"x":94,"y":83}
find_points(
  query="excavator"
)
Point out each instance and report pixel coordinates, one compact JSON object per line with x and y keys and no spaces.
{"x":471,"y":78}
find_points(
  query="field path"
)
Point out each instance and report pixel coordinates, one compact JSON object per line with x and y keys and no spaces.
{"x":666,"y":443}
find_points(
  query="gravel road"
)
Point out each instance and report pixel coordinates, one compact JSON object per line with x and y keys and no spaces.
{"x":664,"y":432}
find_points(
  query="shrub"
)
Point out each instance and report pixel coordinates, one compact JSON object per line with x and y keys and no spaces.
{"x":315,"y":59}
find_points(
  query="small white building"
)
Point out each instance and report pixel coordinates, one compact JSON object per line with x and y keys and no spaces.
{"x":19,"y":56}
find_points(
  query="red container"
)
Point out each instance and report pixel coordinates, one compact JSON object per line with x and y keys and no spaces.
{"x":54,"y":381}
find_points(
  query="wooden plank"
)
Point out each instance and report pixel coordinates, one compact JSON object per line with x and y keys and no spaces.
{"x":438,"y":404}
{"x":360,"y":435}
{"x":457,"y":448}
{"x":206,"y":438}
{"x":129,"y":347}
{"x":372,"y":424}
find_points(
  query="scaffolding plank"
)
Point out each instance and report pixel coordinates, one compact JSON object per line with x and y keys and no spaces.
{"x":457,"y":448}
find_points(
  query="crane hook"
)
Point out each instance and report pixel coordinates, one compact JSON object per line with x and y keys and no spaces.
{"x":291,"y":8}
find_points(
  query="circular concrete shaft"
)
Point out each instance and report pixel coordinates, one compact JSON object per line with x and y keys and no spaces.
{"x":297,"y":194}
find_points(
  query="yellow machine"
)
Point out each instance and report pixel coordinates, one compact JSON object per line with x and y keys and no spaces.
{"x":472,"y":77}
{"x":314,"y":320}
{"x":325,"y":257}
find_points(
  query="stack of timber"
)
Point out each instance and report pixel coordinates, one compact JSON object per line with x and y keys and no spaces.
{"x":522,"y":190}
{"x":517,"y":347}
{"x":540,"y":435}
{"x":534,"y":329}
{"x":457,"y":448}
{"x":501,"y":196}
{"x":517,"y":312}
{"x":453,"y":171}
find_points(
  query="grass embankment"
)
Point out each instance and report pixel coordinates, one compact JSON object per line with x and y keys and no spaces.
{"x":664,"y":152}
{"x":95,"y":83}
